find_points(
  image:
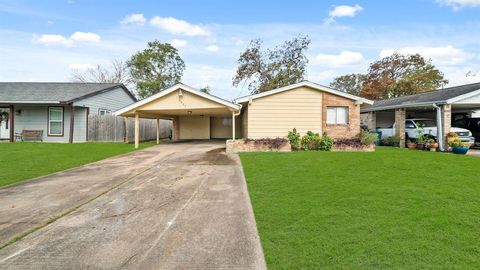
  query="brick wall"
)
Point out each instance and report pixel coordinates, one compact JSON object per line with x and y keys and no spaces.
{"x":350,"y":130}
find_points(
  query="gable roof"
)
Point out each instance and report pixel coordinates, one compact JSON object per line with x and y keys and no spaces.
{"x":300,"y":84}
{"x":174,"y":88}
{"x":441,"y":96}
{"x":53,"y":92}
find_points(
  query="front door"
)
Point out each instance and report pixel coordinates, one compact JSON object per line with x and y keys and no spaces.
{"x":4,"y":123}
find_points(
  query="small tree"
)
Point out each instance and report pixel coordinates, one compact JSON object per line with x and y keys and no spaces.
{"x":157,"y":67}
{"x":265,"y":70}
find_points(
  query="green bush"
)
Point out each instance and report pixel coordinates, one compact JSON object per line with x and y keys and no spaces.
{"x":313,"y":141}
{"x":326,"y":143}
{"x":294,"y":138}
{"x":391,"y":141}
{"x":368,"y":138}
{"x":310,"y":141}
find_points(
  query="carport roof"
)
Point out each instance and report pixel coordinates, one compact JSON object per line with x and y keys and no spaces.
{"x":441,"y":96}
{"x":171,"y":89}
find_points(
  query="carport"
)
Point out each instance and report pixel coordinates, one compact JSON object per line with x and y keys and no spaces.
{"x":443,"y":105}
{"x":195,"y":114}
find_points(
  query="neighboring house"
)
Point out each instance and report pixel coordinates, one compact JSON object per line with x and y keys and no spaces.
{"x":58,"y":110}
{"x":444,"y":105}
{"x":305,"y":106}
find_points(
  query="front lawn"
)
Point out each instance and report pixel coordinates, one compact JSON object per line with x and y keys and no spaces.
{"x":21,"y":160}
{"x":394,"y":208}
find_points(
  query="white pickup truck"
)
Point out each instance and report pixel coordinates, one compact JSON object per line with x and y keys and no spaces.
{"x":429,"y":129}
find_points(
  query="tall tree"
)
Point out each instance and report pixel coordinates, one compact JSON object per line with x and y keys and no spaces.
{"x":157,"y":67}
{"x":116,"y":72}
{"x":350,"y":83}
{"x":268,"y":69}
{"x":399,"y":75}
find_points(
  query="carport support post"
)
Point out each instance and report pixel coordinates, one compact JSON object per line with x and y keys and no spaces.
{"x":137,"y":130}
{"x":158,"y":131}
{"x":446,"y":122}
{"x":233,"y":125}
{"x":400,"y":126}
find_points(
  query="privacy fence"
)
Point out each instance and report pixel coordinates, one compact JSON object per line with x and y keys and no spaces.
{"x":110,"y":128}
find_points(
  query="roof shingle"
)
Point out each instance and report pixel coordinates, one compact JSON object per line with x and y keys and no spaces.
{"x":437,"y":96}
{"x":49,"y":91}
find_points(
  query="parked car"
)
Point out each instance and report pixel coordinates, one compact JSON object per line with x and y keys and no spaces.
{"x":472,"y":124}
{"x":429,"y":129}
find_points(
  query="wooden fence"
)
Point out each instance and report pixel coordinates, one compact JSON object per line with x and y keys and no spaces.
{"x":110,"y":128}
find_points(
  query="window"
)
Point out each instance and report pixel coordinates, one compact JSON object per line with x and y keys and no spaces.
{"x":104,"y":112}
{"x":337,"y":115}
{"x":55,"y":121}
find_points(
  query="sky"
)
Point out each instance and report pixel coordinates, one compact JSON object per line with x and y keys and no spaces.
{"x":46,"y":40}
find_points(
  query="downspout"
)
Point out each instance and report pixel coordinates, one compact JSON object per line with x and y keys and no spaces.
{"x":439,"y":127}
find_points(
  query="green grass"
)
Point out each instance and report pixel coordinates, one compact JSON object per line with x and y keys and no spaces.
{"x":22,"y":161}
{"x":392,"y":209}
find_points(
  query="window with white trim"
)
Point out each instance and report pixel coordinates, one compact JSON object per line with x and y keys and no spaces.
{"x":337,"y":115}
{"x":55,"y":121}
{"x":104,"y":112}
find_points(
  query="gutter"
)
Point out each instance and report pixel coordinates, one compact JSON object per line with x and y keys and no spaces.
{"x":424,"y":104}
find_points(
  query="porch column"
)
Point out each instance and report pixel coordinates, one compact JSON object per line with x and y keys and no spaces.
{"x":158,"y":131}
{"x":175,"y":129}
{"x":72,"y":123}
{"x":372,"y":121}
{"x":137,"y":130}
{"x":12,"y":124}
{"x":446,"y":122}
{"x":400,"y":125}
{"x":233,"y":125}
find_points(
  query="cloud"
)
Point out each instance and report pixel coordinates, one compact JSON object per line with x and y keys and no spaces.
{"x":447,"y":55}
{"x":85,"y":37}
{"x":212,"y":48}
{"x":178,"y":27}
{"x":342,"y":11}
{"x":135,"y":18}
{"x":345,"y":58}
{"x":459,"y":4}
{"x":52,"y":40}
{"x":81,"y":66}
{"x":75,"y":38}
{"x":178,"y":43}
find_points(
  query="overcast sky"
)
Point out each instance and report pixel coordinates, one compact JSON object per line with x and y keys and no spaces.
{"x":45,"y":40}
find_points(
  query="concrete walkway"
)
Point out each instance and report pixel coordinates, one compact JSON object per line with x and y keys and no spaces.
{"x":185,"y":206}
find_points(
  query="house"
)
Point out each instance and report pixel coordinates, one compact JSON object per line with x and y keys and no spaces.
{"x":57,"y":111}
{"x":305,"y":106}
{"x":444,"y":105}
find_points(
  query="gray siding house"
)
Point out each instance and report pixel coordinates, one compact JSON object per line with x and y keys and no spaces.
{"x":57,"y":110}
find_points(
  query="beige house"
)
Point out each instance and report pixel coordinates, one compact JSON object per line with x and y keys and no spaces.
{"x":305,"y":106}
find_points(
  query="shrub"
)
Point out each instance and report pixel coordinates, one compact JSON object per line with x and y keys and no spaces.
{"x":310,"y":141}
{"x":326,"y":143}
{"x":294,"y":138}
{"x":269,"y":142}
{"x":313,"y":141}
{"x":349,"y":142}
{"x":391,"y":141}
{"x":368,"y":138}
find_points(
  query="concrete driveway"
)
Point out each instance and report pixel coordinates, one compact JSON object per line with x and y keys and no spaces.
{"x":173,"y":206}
